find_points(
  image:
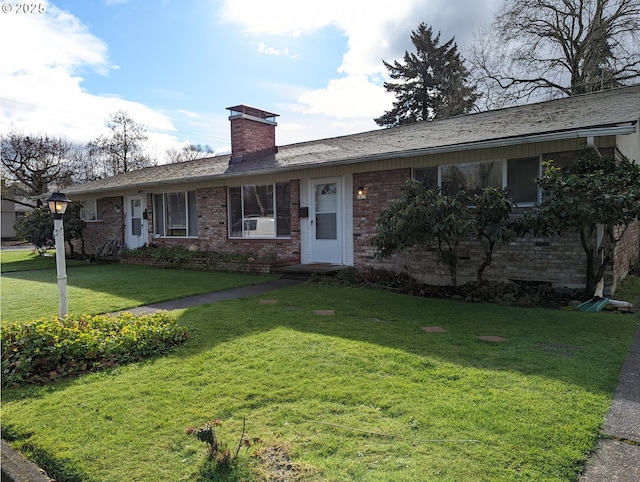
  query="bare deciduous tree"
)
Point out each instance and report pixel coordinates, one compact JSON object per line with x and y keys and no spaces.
{"x":189,"y":152}
{"x":551,"y":48}
{"x":32,"y":163}
{"x":121,"y":151}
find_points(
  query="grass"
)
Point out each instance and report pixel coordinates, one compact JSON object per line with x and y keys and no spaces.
{"x":100,"y":288}
{"x":363,"y":395}
{"x":629,"y":290}
{"x":20,"y":260}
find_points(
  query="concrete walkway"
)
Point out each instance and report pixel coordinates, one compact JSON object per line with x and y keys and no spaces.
{"x":617,"y":456}
{"x":216,"y":296}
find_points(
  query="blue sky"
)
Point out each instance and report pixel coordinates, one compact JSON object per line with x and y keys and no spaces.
{"x":175,"y":65}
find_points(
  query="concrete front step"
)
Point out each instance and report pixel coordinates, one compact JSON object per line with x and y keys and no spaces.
{"x":305,"y":271}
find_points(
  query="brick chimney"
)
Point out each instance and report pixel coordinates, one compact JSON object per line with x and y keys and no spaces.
{"x":253,"y":133}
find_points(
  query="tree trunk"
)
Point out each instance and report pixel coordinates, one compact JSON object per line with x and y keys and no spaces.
{"x":586,"y":238}
{"x":487,"y":261}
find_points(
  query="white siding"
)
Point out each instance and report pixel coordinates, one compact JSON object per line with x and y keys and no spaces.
{"x":348,"y":220}
{"x":305,"y":241}
{"x":630,"y":145}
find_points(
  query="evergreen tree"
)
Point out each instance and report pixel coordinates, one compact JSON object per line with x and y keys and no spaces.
{"x":431,"y":83}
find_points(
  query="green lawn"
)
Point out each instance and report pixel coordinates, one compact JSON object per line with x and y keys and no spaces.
{"x":100,"y":288}
{"x":19,"y":260}
{"x":364,"y":394}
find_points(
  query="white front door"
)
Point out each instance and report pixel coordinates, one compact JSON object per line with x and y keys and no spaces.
{"x":135,"y":225}
{"x":325,"y":215}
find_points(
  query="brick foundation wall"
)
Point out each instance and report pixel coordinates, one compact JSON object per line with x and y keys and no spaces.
{"x":206,"y":264}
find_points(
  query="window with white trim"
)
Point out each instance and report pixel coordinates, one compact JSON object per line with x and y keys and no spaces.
{"x":175,"y":214}
{"x":518,"y":175}
{"x":89,"y":210}
{"x":260,"y":211}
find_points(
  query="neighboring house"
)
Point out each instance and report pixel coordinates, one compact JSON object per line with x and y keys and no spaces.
{"x":318,"y":201}
{"x":11,"y":211}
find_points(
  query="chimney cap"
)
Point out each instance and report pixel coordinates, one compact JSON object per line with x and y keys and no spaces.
{"x":242,"y":109}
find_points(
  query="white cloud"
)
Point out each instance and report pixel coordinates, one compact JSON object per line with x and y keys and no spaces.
{"x":189,"y":114}
{"x":375,"y":30}
{"x":46,"y":56}
{"x":264,"y":49}
{"x":349,"y":97}
{"x":42,"y":80}
{"x":280,"y":17}
{"x":52,"y":39}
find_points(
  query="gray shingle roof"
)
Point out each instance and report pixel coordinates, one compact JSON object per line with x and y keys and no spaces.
{"x":525,"y":123}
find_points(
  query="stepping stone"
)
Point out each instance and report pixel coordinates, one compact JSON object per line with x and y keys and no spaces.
{"x":324,"y":312}
{"x":492,"y":338}
{"x":268,"y":302}
{"x":434,"y":329}
{"x":296,"y":308}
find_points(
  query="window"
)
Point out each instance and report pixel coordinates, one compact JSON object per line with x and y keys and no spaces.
{"x":521,"y":179}
{"x":260,"y":211}
{"x":426,"y":175}
{"x":175,"y":214}
{"x":89,"y":210}
{"x":326,"y":197}
{"x":471,"y":176}
{"x":519,"y":175}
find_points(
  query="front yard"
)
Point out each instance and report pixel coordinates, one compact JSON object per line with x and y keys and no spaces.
{"x":337,"y":383}
{"x":29,"y":285}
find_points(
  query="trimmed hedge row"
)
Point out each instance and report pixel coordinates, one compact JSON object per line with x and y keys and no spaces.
{"x":46,"y":349}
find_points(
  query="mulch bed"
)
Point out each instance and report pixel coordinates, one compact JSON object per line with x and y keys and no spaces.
{"x":523,"y":294}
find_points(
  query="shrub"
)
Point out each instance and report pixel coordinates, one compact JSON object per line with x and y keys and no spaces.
{"x":36,"y":227}
{"x":46,"y":349}
{"x":180,"y":254}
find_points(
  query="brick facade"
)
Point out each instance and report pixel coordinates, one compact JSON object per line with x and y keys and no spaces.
{"x":109,"y":227}
{"x":559,"y":260}
{"x":212,"y":228}
{"x":254,"y":137}
{"x":253,"y":132}
{"x":627,"y":252}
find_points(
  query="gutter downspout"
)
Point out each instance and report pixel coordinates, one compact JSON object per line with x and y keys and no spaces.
{"x":591,"y":144}
{"x":599,"y":293}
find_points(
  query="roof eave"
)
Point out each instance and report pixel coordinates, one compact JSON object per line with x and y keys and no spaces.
{"x":626,"y":129}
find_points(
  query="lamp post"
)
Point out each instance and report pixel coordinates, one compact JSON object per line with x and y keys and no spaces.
{"x":58,"y":205}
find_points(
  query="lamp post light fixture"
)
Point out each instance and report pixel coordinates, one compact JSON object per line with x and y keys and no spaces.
{"x":58,"y":205}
